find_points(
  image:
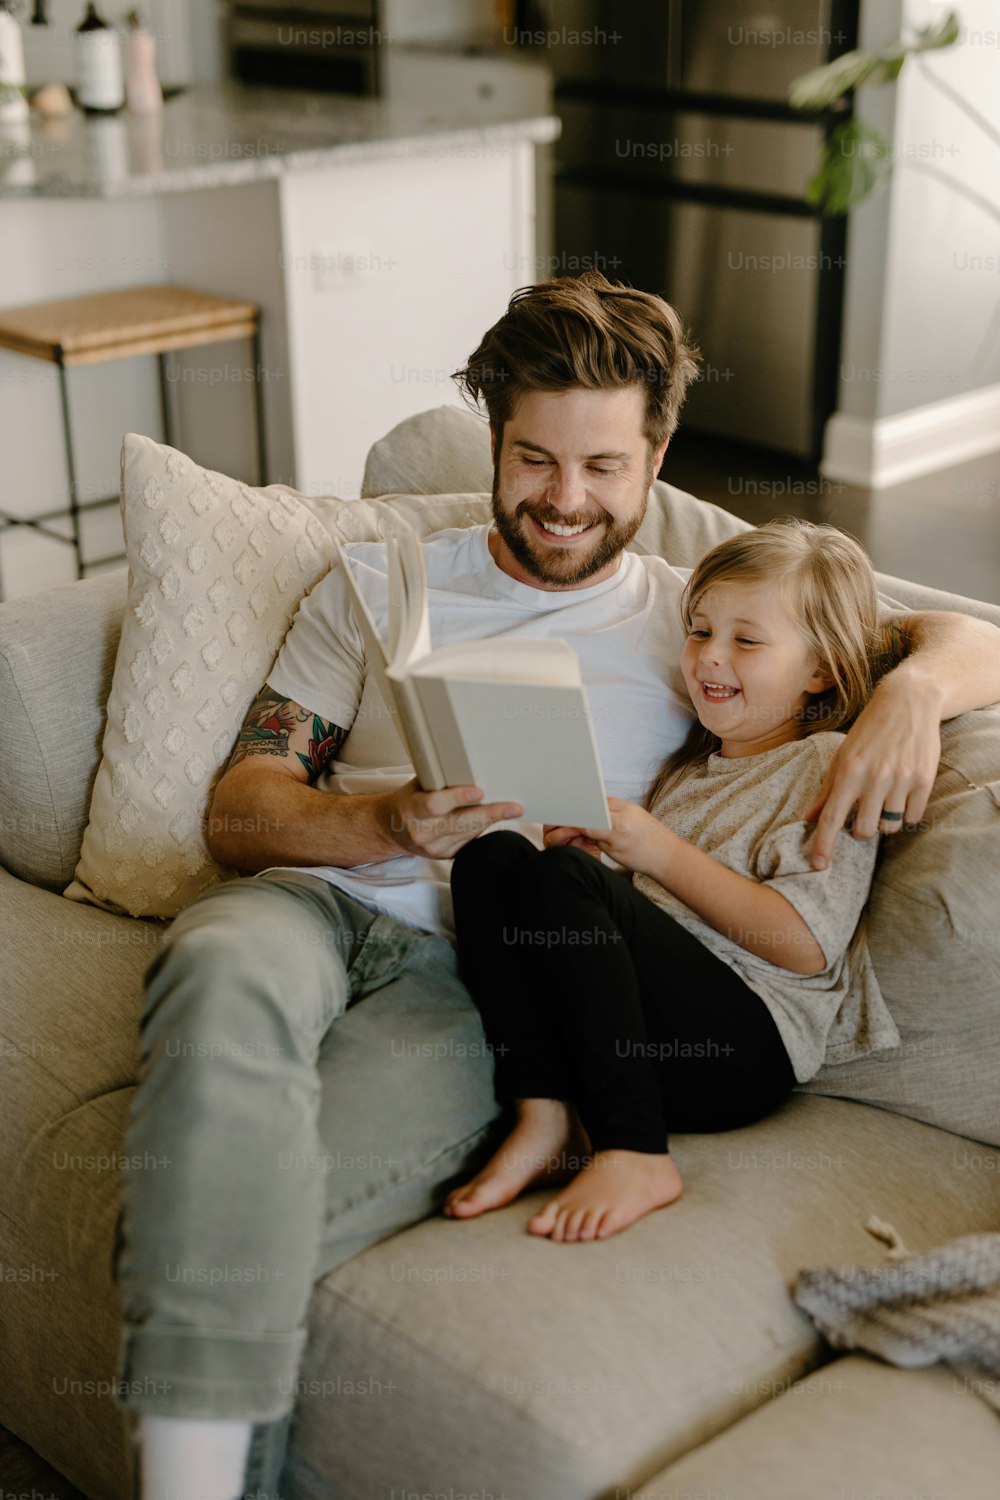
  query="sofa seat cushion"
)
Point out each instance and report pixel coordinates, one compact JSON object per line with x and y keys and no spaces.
{"x":464,"y":1357}
{"x":854,"y":1428}
{"x":69,"y":1012}
{"x":494,"y":1360}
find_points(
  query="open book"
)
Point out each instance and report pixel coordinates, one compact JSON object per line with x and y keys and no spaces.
{"x":510,"y":716}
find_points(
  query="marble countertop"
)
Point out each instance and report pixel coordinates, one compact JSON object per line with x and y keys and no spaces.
{"x":214,"y":135}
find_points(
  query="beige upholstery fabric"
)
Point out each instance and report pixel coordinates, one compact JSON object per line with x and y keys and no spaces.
{"x":216,"y":572}
{"x":456,"y":1355}
{"x":69,"y":1015}
{"x":855,"y":1429}
{"x":57,"y":653}
{"x":447,"y":449}
{"x":934,"y":931}
{"x":423,"y":454}
{"x":524,"y":1368}
{"x":464,"y":1356}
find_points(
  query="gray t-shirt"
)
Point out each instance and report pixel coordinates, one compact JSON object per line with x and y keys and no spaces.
{"x":748,"y":813}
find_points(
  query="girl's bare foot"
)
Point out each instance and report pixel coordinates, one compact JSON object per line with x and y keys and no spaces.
{"x":614,"y":1190}
{"x":546,"y":1145}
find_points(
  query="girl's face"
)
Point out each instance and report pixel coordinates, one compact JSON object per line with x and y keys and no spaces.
{"x":748,"y":669}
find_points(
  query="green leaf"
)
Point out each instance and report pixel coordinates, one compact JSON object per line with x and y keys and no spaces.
{"x":855,"y":162}
{"x":945,"y":34}
{"x":820,"y":88}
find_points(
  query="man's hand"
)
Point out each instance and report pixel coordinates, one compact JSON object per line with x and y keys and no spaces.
{"x":437,"y":824}
{"x":887,"y":764}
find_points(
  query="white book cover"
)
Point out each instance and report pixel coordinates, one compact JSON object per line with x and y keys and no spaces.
{"x":509,"y":716}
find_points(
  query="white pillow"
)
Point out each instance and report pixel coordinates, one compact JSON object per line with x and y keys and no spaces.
{"x":216,"y":572}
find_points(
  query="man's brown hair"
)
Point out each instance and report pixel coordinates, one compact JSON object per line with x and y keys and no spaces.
{"x":584,"y":331}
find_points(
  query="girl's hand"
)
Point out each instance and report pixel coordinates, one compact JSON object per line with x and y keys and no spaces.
{"x":637,"y":840}
{"x":556,"y":833}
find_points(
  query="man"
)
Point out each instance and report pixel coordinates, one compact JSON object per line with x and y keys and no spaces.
{"x":245,"y":1079}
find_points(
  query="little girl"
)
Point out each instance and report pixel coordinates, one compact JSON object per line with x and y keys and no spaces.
{"x":693,"y":996}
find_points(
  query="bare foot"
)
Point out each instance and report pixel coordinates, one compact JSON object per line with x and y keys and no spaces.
{"x":546,"y":1145}
{"x":616,"y":1188}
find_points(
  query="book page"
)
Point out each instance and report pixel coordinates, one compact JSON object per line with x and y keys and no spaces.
{"x":408,"y":585}
{"x":401,"y":702}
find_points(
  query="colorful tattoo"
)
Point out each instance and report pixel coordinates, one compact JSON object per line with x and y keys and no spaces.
{"x":270,"y":722}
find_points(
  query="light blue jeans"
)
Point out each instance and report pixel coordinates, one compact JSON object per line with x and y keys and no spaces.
{"x":279,"y":1127}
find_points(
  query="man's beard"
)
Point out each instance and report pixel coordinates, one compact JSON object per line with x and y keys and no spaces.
{"x":567,"y":566}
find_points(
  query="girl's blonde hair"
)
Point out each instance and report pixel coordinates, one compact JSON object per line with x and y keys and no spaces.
{"x":825,"y":581}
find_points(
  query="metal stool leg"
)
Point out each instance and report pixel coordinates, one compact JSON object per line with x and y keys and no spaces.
{"x":74,"y":506}
{"x":258,"y":398}
{"x":165,"y":413}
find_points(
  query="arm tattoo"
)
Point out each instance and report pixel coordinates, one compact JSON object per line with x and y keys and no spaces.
{"x":270,"y":722}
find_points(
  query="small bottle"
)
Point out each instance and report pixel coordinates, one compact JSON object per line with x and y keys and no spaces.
{"x":143,"y":94}
{"x":100,"y":88}
{"x":13,"y":104}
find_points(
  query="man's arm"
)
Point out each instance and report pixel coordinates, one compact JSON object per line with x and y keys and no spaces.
{"x":267,"y":811}
{"x":889,"y":760}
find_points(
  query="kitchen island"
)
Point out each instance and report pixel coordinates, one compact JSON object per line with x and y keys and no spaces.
{"x":379,"y":239}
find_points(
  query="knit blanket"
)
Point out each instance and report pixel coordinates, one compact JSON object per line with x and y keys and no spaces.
{"x":941,"y":1305}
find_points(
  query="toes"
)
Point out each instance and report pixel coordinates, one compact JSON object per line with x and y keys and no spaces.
{"x":545,"y":1222}
{"x":588,"y":1228}
{"x":574,"y":1223}
{"x":465,"y":1202}
{"x":610,"y":1224}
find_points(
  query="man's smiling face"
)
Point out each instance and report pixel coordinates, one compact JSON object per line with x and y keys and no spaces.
{"x":570,"y":485}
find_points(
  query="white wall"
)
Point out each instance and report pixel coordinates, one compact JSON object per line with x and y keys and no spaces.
{"x":922,"y":278}
{"x":941,"y":285}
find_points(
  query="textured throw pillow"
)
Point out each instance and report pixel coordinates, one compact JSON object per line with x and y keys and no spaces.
{"x":216,"y":572}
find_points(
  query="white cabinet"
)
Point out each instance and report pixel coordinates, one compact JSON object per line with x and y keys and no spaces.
{"x":393,"y":269}
{"x":377,"y":267}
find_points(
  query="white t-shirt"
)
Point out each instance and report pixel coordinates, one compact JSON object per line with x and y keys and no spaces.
{"x":626,"y":632}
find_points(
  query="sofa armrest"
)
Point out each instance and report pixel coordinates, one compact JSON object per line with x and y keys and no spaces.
{"x":57,"y":655}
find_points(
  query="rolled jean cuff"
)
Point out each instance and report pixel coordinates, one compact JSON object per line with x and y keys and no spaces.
{"x":180,"y":1372}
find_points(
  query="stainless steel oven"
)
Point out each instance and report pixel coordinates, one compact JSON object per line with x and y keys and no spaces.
{"x":316,"y":44}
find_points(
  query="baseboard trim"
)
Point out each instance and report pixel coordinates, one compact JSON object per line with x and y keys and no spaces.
{"x":887,"y":450}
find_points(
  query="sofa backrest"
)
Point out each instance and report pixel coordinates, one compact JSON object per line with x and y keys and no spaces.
{"x":58,"y":647}
{"x":57,"y":656}
{"x":447,"y":451}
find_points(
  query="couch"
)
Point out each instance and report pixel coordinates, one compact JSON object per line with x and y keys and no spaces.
{"x":472,"y":1359}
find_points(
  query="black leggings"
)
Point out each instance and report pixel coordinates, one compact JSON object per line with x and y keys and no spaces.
{"x":591,"y":993}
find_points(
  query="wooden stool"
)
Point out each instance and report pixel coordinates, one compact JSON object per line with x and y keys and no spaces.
{"x":116,"y":325}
